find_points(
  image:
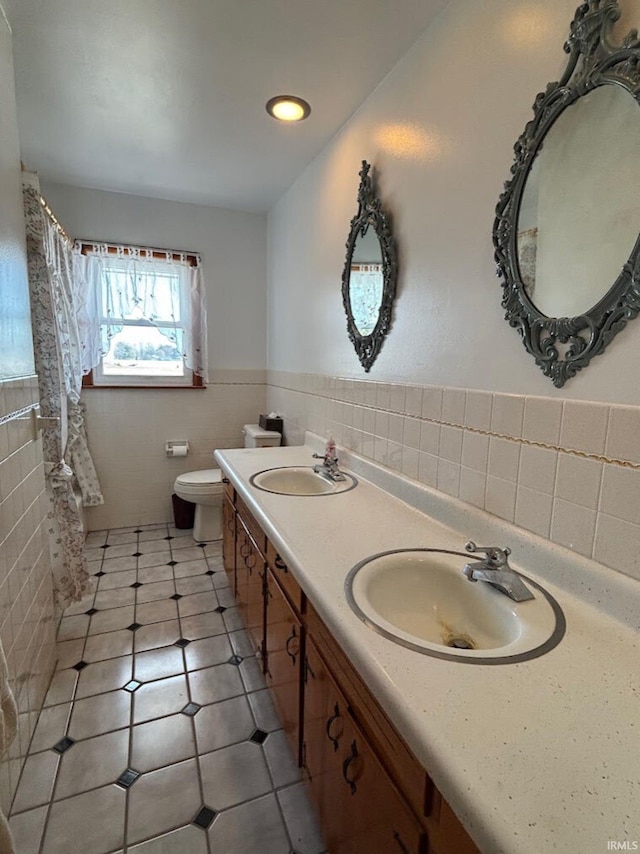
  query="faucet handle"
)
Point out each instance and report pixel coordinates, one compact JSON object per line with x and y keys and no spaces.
{"x":495,"y":555}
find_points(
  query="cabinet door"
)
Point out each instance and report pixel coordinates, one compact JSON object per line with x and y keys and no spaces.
{"x":360,"y":808}
{"x":283,"y":660}
{"x":229,"y":540}
{"x":250,"y":582}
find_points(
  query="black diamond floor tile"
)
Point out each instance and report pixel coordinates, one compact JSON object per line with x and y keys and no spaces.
{"x":204,"y":818}
{"x":134,"y":627}
{"x":172,"y":563}
{"x":182,"y":642}
{"x":132,"y":686}
{"x":137,"y":554}
{"x":136,"y":584}
{"x":220,"y":609}
{"x":91,"y":611}
{"x":168,"y":538}
{"x":235,"y":659}
{"x":105,"y":547}
{"x":138,"y":531}
{"x":127,"y":778}
{"x":191,"y":709}
{"x":176,"y":596}
{"x":258,"y":736}
{"x":64,"y":744}
{"x":99,"y":574}
{"x":202,"y":545}
{"x":210,"y":572}
{"x":80,"y":666}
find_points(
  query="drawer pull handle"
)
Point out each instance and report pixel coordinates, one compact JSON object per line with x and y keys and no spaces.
{"x":401,"y":844}
{"x":245,"y":549}
{"x":345,"y":768}
{"x":292,"y":655}
{"x":330,"y":721}
{"x":280,"y":564}
{"x":225,"y":480}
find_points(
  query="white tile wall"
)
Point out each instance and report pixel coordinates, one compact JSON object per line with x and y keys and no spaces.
{"x":26,"y":597}
{"x":127,"y":430}
{"x":566,"y":470}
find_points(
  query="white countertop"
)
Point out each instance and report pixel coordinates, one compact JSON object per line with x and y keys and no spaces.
{"x":534,"y":757}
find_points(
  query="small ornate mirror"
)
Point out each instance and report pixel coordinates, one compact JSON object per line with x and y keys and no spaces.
{"x":369,"y":277}
{"x":567,"y":225}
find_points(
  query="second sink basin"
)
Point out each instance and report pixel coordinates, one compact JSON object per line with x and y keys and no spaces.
{"x":300,"y":480}
{"x":420,"y":598}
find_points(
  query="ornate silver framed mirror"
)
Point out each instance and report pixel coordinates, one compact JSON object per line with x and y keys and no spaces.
{"x":566,"y":232}
{"x":370,"y":272}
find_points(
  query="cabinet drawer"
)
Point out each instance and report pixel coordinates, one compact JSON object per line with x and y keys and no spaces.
{"x":284,"y":578}
{"x":250,"y":523}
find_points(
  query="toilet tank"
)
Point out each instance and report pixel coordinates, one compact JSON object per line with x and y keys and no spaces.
{"x":256,"y":437}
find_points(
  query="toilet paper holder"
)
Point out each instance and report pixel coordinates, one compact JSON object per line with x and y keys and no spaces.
{"x":177,"y":448}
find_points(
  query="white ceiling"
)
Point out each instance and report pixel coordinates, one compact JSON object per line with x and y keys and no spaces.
{"x":165,"y":98}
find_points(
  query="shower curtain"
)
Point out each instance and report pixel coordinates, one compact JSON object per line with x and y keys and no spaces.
{"x":59,"y":367}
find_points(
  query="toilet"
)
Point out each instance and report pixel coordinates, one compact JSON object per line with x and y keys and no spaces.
{"x":204,"y":488}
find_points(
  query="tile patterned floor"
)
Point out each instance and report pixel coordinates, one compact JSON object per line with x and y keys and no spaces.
{"x":157,"y":735}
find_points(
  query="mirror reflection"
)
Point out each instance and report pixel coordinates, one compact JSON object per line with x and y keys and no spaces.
{"x":579,"y":217}
{"x":366,"y":281}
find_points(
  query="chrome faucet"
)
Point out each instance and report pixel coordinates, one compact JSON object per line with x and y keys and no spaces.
{"x":495,"y":569}
{"x":329,"y":466}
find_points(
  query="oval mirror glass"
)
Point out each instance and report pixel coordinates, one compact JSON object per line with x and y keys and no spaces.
{"x":579,"y":217}
{"x":366,"y":281}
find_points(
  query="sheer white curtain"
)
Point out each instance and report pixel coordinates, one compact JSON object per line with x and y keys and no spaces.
{"x":165,"y":289}
{"x":56,"y":343}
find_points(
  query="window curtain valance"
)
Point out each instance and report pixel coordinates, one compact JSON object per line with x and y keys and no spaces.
{"x":128,"y":281}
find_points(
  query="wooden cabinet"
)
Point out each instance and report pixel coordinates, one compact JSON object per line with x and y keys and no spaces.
{"x":229,"y":538}
{"x":283,"y":659}
{"x":372,"y":795}
{"x":250,"y":581}
{"x":360,"y":808}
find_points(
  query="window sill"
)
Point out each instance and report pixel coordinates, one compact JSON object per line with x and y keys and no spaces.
{"x":147,"y":387}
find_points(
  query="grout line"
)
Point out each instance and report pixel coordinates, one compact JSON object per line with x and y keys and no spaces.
{"x":521,"y":440}
{"x":211,"y":561}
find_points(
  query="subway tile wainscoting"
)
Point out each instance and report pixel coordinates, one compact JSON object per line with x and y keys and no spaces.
{"x":157,"y":732}
{"x":26,"y":597}
{"x":566,"y":470}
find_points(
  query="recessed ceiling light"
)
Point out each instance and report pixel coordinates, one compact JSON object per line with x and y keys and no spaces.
{"x":288,"y":108}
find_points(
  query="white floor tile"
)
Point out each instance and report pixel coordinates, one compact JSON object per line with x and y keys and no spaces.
{"x":222,"y":724}
{"x":162,"y":742}
{"x":185,"y":840}
{"x":254,"y":826}
{"x":90,"y":822}
{"x":243,"y":770}
{"x":162,"y":800}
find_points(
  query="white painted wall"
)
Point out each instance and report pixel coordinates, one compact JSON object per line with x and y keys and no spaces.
{"x":16,"y":351}
{"x":232,"y":245}
{"x":440,"y":130}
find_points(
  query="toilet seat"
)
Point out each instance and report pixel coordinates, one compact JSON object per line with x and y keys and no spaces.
{"x":199,"y":483}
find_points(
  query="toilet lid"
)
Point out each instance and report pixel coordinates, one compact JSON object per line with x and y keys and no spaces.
{"x":203,"y":476}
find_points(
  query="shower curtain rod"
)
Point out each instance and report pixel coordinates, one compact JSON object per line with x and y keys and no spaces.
{"x":55,"y":220}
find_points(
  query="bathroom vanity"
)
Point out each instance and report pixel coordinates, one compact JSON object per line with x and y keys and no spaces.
{"x":402,"y":751}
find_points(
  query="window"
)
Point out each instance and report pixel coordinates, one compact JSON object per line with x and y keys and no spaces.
{"x":144,"y":317}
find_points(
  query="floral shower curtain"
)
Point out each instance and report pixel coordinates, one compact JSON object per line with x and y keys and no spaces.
{"x":59,"y":367}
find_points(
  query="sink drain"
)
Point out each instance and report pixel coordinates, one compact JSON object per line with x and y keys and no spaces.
{"x":461,"y":643}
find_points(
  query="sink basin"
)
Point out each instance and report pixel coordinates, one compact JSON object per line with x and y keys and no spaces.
{"x":420,"y":599}
{"x":300,"y":480}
